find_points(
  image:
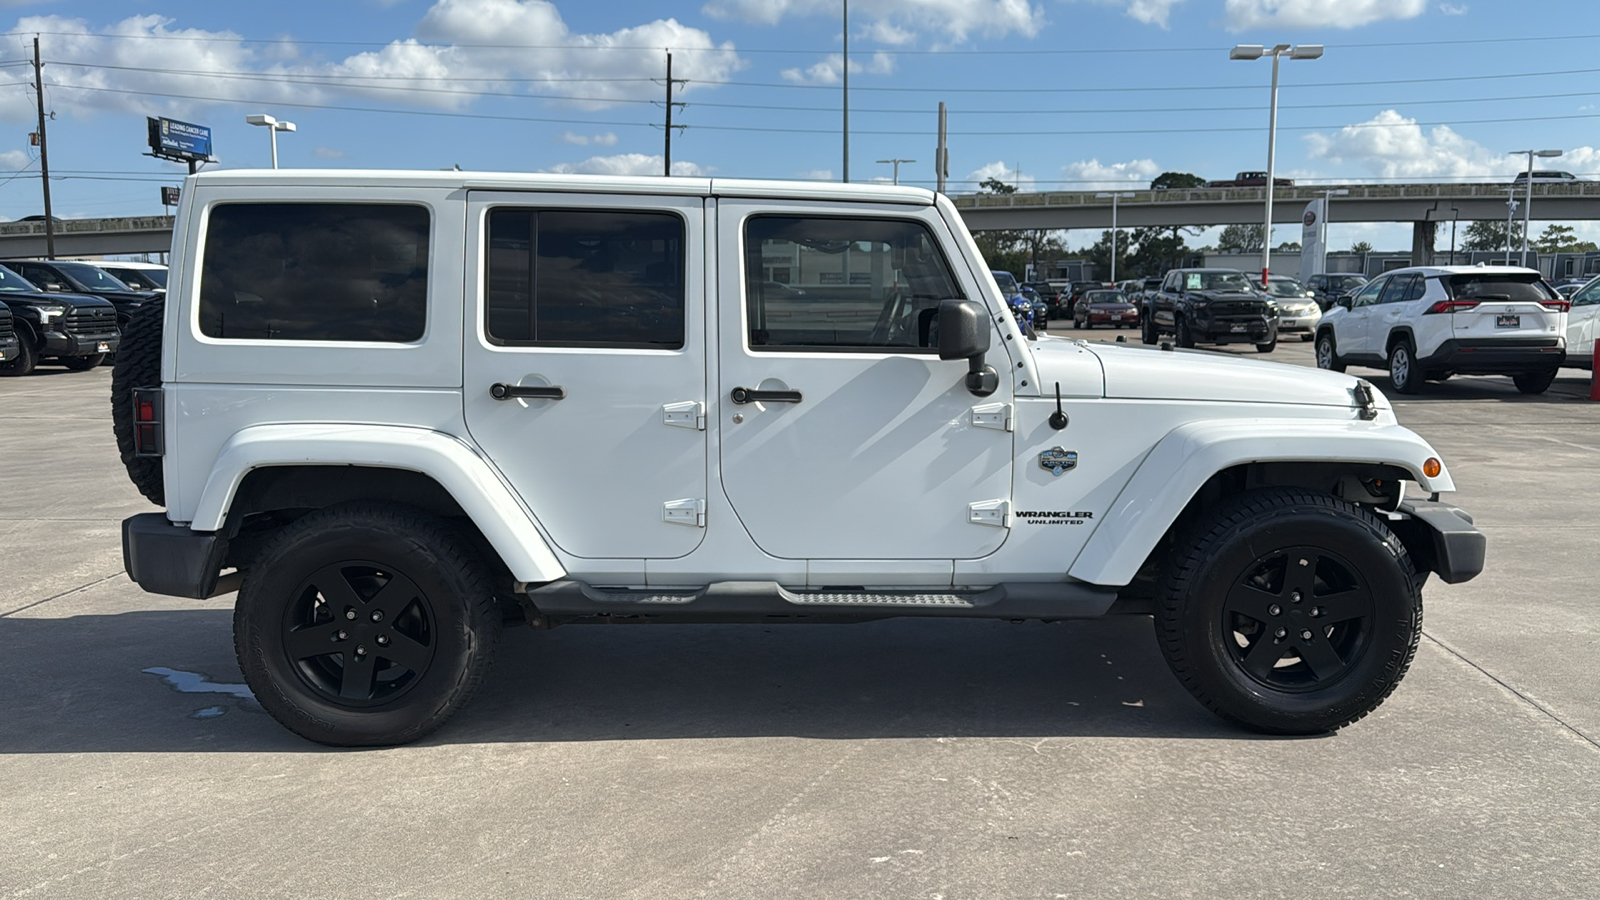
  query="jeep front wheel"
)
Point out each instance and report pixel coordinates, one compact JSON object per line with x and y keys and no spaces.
{"x":1290,"y":612}
{"x":365,"y":625}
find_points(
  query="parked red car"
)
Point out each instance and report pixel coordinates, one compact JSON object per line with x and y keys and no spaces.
{"x":1106,"y":308}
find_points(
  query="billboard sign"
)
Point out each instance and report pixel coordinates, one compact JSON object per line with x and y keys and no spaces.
{"x":169,"y":196}
{"x":179,"y":141}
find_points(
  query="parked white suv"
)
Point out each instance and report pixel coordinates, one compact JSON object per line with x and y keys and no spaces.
{"x":387,"y":406}
{"x":1583,"y":325}
{"x":1430,"y":322}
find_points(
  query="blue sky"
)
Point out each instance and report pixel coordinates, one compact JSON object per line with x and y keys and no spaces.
{"x":1073,"y":94}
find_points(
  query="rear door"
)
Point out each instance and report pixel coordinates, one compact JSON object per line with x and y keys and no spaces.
{"x":1503,"y":306}
{"x":585,"y":364}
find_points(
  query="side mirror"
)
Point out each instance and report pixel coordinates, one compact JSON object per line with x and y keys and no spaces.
{"x":1343,"y":301}
{"x":964,"y":333}
{"x":54,"y":286}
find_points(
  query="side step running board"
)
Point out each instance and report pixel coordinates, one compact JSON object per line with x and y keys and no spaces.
{"x":744,"y":600}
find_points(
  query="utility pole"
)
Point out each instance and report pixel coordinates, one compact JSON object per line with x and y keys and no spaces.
{"x":896,"y":162}
{"x":666,"y":156}
{"x":941,"y":155}
{"x":44,"y":155}
{"x":846,"y":91}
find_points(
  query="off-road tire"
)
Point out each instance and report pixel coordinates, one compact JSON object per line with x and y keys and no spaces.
{"x":1327,"y":352}
{"x":25,"y":361}
{"x":1185,"y":336}
{"x":1210,"y":579}
{"x":138,"y":365}
{"x":1404,"y":374}
{"x":83,"y":363}
{"x":441,"y":581}
{"x":1268,"y":347}
{"x":1534,"y":382}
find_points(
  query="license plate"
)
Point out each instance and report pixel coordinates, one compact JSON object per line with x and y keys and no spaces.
{"x":1508,"y":321}
{"x":102,"y":347}
{"x":1239,"y":329}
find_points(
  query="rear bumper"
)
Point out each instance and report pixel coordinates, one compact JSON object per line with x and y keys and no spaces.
{"x":164,"y":558}
{"x":1441,"y":539}
{"x":1497,"y":356}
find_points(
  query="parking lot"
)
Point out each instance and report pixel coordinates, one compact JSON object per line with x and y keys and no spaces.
{"x":915,"y":758}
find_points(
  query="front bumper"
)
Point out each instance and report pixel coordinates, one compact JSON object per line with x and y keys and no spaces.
{"x":9,"y":348}
{"x":57,"y":343}
{"x":1131,"y":317}
{"x":164,"y":558}
{"x":1304,"y":323}
{"x":1496,"y":356}
{"x":1231,"y":328}
{"x":1441,"y":539}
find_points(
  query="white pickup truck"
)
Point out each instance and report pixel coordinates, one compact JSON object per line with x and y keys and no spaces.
{"x":385,"y":406}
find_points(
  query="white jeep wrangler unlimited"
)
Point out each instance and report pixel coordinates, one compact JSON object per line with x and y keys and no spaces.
{"x":387,"y":406}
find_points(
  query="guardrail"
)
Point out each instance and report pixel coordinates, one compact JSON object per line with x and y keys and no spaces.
{"x":1357,"y":193}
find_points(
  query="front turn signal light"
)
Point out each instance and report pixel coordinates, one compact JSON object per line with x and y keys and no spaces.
{"x":1431,"y":467}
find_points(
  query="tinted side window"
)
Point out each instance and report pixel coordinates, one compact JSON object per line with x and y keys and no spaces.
{"x":1397,"y":289}
{"x":586,"y":278}
{"x":858,"y":283}
{"x":1368,"y":293}
{"x":315,"y":272}
{"x":1588,"y":295}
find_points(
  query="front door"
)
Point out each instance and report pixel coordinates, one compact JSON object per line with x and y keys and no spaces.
{"x":854,"y":440}
{"x":1350,"y":332}
{"x":584,"y":367}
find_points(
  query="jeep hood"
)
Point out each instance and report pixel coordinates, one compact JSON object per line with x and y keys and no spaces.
{"x":1137,"y":372}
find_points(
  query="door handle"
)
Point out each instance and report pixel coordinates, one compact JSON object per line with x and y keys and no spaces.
{"x":501,"y":391}
{"x":751,"y":395}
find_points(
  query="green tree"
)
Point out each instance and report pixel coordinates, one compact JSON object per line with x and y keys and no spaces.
{"x":1157,"y":249}
{"x":1490,"y":234}
{"x":1004,"y":250}
{"x":1288,"y":246}
{"x":1243,"y":238}
{"x":1176,"y":181}
{"x":1561,"y":239}
{"x":1361,"y":247}
{"x":1100,"y":254}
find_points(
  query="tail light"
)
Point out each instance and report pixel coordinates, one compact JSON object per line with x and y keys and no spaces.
{"x":149,"y":437}
{"x":1450,"y":306}
{"x":1556,"y":305}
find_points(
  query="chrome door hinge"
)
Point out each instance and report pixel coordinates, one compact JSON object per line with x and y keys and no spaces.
{"x":685,"y":512}
{"x":688,"y":414}
{"x":989,"y":512}
{"x":993,"y":415}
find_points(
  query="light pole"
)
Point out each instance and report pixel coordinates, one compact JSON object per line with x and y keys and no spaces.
{"x":1527,"y":206}
{"x":273,"y":126}
{"x":896,"y":163}
{"x":1511,"y":212}
{"x":1115,"y":196}
{"x":1256,"y":51}
{"x":1327,"y":203}
{"x":846,"y":73}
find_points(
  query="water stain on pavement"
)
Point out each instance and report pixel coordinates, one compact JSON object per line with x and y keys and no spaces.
{"x":200,"y":683}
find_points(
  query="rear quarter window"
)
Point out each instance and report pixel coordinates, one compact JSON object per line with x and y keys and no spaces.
{"x":315,"y":272}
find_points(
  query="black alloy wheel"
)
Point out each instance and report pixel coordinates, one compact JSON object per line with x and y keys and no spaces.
{"x":1289,"y":611}
{"x":365,"y":624}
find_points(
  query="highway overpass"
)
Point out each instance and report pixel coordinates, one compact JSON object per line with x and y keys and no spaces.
{"x":89,"y":237}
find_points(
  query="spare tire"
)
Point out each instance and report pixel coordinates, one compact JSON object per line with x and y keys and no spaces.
{"x":138,"y":366}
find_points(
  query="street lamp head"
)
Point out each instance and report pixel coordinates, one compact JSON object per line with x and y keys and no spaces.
{"x":1247,"y":51}
{"x":262,"y":120}
{"x":1306,"y":51}
{"x":283,"y":126}
{"x":1548,"y":154}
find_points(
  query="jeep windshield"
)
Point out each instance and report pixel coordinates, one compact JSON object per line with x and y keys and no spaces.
{"x":1528,"y":286}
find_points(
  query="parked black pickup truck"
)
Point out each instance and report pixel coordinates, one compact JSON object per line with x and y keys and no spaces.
{"x":77,"y":329}
{"x":1213,"y":306}
{"x":82,"y":278}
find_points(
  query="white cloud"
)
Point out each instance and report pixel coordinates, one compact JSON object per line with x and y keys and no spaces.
{"x":817,"y":175}
{"x":1243,"y":14}
{"x":328,"y":153}
{"x":829,"y":70}
{"x":954,"y":20}
{"x":1390,"y":145}
{"x":1151,"y":12}
{"x":15,"y":160}
{"x":626,"y":164}
{"x":144,"y":79}
{"x":1090,"y":173}
{"x":1452,"y":9}
{"x":606,"y":139}
{"x":1000,"y":171}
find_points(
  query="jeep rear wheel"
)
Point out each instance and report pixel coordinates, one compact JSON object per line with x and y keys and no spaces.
{"x":1291,"y":612}
{"x":138,"y":365}
{"x":365,"y":625}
